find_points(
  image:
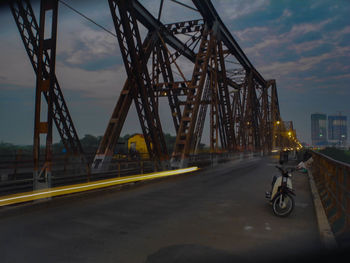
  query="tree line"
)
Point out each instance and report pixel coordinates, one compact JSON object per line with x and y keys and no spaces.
{"x":89,"y":144}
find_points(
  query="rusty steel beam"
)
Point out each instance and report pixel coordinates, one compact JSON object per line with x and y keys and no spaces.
{"x":185,"y":27}
{"x":45,"y":81}
{"x":265,"y":121}
{"x":245,"y":120}
{"x":161,"y":64}
{"x":215,"y":127}
{"x":162,"y":88}
{"x":155,"y":46}
{"x":136,"y":67}
{"x":201,"y":117}
{"x":152,"y":24}
{"x":211,"y":17}
{"x":29,"y":30}
{"x":224,"y":100}
{"x":189,"y":116}
{"x":243,"y":123}
{"x":110,"y":138}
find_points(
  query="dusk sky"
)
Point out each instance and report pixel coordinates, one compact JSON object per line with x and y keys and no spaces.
{"x":304,"y":45}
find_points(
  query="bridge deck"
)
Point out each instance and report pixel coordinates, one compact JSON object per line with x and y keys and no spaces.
{"x":216,"y":215}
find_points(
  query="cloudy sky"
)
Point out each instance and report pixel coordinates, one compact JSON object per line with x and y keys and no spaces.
{"x":304,"y":45}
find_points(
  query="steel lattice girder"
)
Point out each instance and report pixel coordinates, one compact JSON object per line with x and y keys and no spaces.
{"x":152,"y":41}
{"x":110,"y":139}
{"x":162,"y":64}
{"x":45,"y":85}
{"x":221,"y":113}
{"x":136,"y":67}
{"x":252,"y":111}
{"x":29,"y":30}
{"x":151,"y":23}
{"x":247,"y":105}
{"x":189,"y":116}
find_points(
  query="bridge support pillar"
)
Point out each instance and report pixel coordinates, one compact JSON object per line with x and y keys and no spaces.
{"x":45,"y":81}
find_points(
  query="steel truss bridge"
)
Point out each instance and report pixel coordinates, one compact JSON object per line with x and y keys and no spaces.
{"x":222,"y":85}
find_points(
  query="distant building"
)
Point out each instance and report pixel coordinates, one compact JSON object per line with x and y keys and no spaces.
{"x":337,"y":130}
{"x":319,"y":129}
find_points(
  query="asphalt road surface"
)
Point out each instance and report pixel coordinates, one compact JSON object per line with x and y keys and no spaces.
{"x":214,"y":215}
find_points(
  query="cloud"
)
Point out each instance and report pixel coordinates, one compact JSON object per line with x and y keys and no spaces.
{"x":84,"y":45}
{"x":302,"y":64}
{"x":274,"y":38}
{"x":286,"y":54}
{"x":252,"y":33}
{"x":304,"y":28}
{"x":235,"y":9}
{"x":286,"y":13}
{"x":16,"y":69}
{"x":101,"y":85}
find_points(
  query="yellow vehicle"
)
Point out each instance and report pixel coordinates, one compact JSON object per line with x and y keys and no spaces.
{"x":137,"y":146}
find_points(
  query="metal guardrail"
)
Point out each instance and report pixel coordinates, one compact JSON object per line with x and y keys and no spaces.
{"x":332,"y":179}
{"x":66,"y":174}
{"x":17,"y":176}
{"x":88,"y":186}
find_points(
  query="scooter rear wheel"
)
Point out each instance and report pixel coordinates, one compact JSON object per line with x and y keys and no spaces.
{"x":283,"y":205}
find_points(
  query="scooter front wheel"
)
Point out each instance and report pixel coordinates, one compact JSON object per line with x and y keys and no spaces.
{"x":283,"y":205}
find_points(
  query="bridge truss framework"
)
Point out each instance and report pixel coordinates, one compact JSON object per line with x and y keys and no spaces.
{"x":243,"y":106}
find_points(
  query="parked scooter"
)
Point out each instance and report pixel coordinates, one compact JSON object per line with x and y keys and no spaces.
{"x":281,"y":194}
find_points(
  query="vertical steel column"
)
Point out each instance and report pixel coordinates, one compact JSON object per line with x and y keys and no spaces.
{"x":224,"y":100}
{"x":214,"y":107}
{"x":249,"y":112}
{"x":45,"y":83}
{"x":265,"y":131}
{"x":219,"y":109}
{"x":162,"y":58}
{"x":29,"y":30}
{"x":201,"y":116}
{"x":253,"y":118}
{"x":275,"y":117}
{"x":244,"y":132}
{"x":190,"y":113}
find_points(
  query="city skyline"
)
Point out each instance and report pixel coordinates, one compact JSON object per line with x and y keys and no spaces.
{"x":329,"y":129}
{"x":304,"y":46}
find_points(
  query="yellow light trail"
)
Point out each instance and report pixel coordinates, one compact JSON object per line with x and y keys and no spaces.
{"x":64,"y":190}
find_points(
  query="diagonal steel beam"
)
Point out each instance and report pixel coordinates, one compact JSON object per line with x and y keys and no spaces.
{"x":211,"y":17}
{"x":129,"y":39}
{"x":189,"y":117}
{"x":110,"y":138}
{"x":29,"y":30}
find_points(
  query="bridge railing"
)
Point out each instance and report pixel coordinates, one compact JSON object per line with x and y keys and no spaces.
{"x":16,"y":173}
{"x":332,"y":179}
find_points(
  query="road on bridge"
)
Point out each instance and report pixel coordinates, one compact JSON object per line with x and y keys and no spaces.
{"x":215,"y":215}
